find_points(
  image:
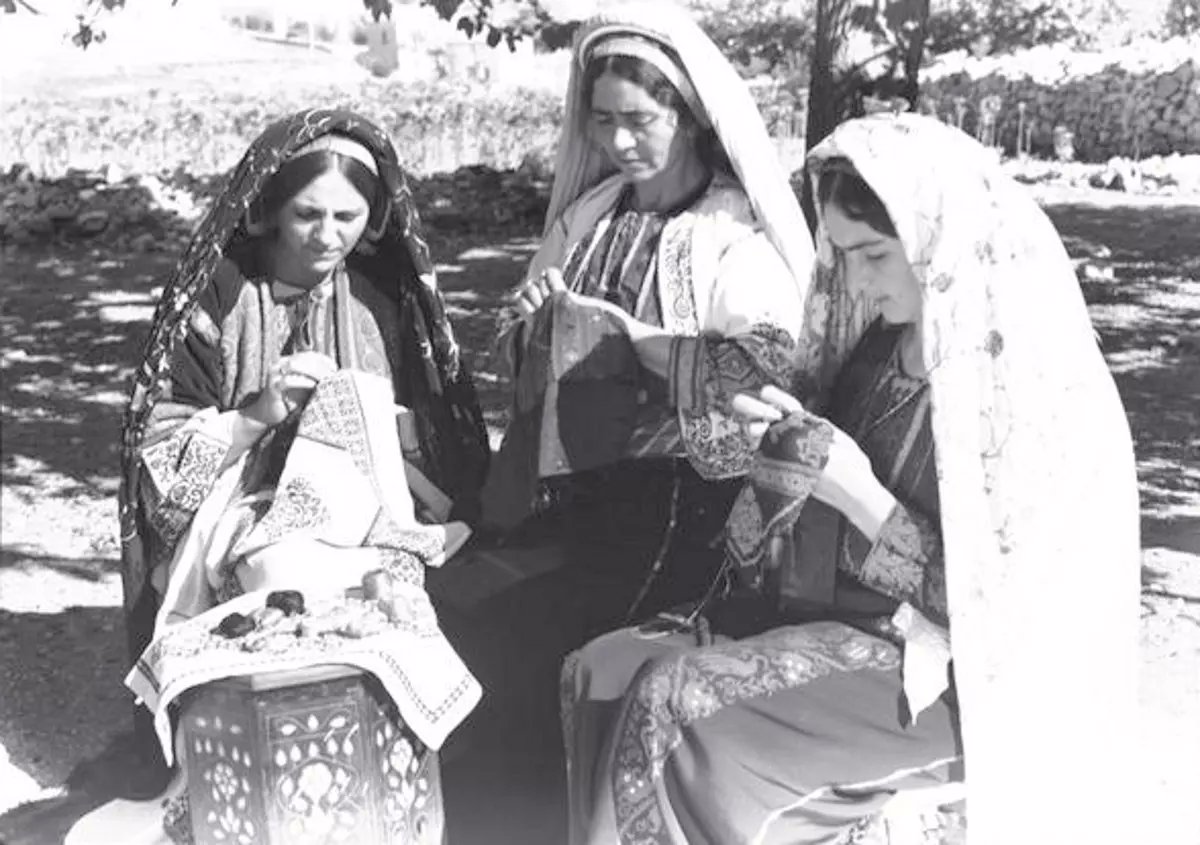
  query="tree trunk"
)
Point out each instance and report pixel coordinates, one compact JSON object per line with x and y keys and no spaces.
{"x":836,"y":89}
{"x":827,"y":105}
{"x":919,"y":22}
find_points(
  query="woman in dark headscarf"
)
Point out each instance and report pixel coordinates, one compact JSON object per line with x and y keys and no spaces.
{"x":308,"y":280}
{"x":257,"y":313}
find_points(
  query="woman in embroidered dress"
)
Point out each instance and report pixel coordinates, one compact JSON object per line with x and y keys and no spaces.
{"x":957,"y":471}
{"x":308,"y":275}
{"x":669,"y":278}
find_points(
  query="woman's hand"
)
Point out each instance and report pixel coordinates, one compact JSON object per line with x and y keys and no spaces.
{"x":758,"y":412}
{"x":632,"y":326}
{"x":848,"y":482}
{"x":289,"y":384}
{"x":530,"y":296}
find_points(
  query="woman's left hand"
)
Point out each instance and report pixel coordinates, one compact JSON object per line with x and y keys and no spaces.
{"x":633,"y":327}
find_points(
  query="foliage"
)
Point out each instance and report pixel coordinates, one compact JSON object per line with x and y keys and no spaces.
{"x":473,"y":17}
{"x":1182,"y":17}
{"x":866,"y":57}
{"x":762,"y":36}
{"x":436,"y":127}
{"x":524,"y":19}
{"x":998,"y":26}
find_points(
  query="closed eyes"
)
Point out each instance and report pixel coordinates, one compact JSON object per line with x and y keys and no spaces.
{"x":313,"y":214}
{"x":638,"y":120}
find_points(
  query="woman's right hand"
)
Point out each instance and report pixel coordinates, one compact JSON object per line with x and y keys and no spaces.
{"x":288,"y":386}
{"x":848,"y":483}
{"x":530,"y":296}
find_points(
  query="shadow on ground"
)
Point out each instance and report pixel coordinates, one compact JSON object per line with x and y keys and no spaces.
{"x":74,"y":324}
{"x":63,"y":702}
{"x":1140,"y":271}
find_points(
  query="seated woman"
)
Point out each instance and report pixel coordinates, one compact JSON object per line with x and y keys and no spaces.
{"x":959,"y":475}
{"x":261,"y":444}
{"x":670,"y":208}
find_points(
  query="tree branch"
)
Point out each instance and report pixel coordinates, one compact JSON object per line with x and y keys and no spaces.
{"x":10,"y":6}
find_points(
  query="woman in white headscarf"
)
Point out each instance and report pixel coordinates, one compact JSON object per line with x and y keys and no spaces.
{"x":959,"y":477}
{"x":670,"y":277}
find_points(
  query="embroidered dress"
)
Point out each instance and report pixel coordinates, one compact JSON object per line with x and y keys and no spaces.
{"x":818,"y":690}
{"x":1013,"y":472}
{"x":211,"y":345}
{"x":632,"y":472}
{"x":317,"y":500}
{"x":592,"y":432}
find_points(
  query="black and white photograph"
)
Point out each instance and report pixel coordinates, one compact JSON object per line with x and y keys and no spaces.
{"x":600,"y":422}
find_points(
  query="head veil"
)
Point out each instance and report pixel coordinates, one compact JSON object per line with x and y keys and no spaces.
{"x":436,"y":383}
{"x":727,"y":107}
{"x":1039,"y":505}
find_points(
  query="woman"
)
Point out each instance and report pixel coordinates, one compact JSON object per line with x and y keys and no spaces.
{"x":957,"y":470}
{"x":311,"y":260}
{"x":663,"y":286}
{"x":302,"y":323}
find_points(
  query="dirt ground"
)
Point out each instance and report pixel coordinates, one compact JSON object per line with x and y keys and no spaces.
{"x":72,"y":326}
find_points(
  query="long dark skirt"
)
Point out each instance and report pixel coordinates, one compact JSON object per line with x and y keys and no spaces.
{"x":606,"y":528}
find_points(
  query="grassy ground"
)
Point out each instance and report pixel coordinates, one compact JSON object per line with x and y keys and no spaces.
{"x":72,"y":324}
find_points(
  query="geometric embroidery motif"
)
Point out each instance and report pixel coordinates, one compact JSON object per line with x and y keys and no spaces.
{"x":334,"y":417}
{"x":674,"y":691}
{"x":297,"y":505}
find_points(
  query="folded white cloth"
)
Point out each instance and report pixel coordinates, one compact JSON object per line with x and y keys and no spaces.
{"x":926,"y":668}
{"x":430,"y":685}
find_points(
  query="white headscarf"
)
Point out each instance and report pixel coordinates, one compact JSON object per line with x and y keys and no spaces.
{"x":1038,"y":490}
{"x":726,"y":106}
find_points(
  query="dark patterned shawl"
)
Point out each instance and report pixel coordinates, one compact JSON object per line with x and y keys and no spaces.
{"x":440,"y":392}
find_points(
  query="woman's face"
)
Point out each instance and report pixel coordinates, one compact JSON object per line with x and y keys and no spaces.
{"x":875,"y":265}
{"x":320,"y":225}
{"x":640,"y":136}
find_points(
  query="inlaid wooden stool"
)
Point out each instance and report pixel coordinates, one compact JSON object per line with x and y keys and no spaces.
{"x":307,"y":757}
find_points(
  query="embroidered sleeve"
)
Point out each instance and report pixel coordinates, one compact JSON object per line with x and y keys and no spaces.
{"x":707,"y":372}
{"x":750,"y":316}
{"x":182,"y":467}
{"x":786,"y":469}
{"x":906,"y":562}
{"x":190,"y":432}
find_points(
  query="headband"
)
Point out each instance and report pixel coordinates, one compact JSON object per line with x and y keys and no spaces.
{"x":256,"y":223}
{"x":622,"y":41}
{"x":342,"y":145}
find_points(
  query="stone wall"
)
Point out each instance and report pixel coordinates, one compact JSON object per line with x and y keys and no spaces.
{"x":1135,"y":101}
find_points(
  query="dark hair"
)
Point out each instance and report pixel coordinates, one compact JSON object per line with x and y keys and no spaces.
{"x":841,"y":185}
{"x":297,"y":173}
{"x":652,"y":80}
{"x":642,"y":74}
